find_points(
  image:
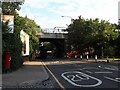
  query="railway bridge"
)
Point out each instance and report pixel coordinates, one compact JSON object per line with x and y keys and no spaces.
{"x":57,"y":38}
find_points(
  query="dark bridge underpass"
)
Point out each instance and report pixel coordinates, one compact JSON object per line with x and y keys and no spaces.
{"x":58,"y":41}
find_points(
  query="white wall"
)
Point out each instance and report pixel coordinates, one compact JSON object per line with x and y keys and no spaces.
{"x":25,"y":37}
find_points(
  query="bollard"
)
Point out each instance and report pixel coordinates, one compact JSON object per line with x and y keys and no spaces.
{"x":75,"y":56}
{"x":81,"y":57}
{"x":96,"y":57}
{"x":107,"y":60}
{"x":87,"y":57}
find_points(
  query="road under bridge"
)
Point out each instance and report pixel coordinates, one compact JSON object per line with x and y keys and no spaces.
{"x":58,"y":39}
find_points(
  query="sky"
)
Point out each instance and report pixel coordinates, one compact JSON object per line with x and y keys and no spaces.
{"x":47,"y":13}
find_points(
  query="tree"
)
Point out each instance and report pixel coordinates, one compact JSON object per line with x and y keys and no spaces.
{"x":19,"y":23}
{"x":8,"y":8}
{"x":116,"y":41}
{"x":76,"y":30}
{"x":95,"y":34}
{"x":31,"y":28}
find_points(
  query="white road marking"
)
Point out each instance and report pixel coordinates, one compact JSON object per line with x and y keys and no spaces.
{"x":84,"y":77}
{"x":117,"y":78}
{"x":114,"y":68}
{"x":103,"y":72}
{"x":90,"y":68}
{"x":80,"y":69}
{"x":111,"y":79}
{"x":110,"y":68}
{"x":80,"y":78}
{"x":89,"y":71}
{"x":61,"y":86}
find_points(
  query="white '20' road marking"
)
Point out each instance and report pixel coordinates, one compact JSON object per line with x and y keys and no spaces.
{"x":84,"y":77}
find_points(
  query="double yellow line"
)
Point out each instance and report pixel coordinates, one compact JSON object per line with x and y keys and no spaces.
{"x":61,"y":86}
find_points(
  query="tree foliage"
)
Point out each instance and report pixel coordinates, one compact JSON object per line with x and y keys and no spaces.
{"x":11,"y":43}
{"x":21,"y":23}
{"x":92,"y":34}
{"x":31,"y":28}
{"x":9,"y":8}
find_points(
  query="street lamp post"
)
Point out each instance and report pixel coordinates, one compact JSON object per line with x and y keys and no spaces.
{"x":66,"y":40}
{"x":69,"y":17}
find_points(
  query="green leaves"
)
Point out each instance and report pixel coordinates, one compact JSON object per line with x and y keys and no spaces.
{"x":91,"y":33}
{"x":8,"y":8}
{"x":11,"y":43}
{"x":31,"y":28}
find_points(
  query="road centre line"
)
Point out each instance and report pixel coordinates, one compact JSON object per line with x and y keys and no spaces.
{"x":62,"y":87}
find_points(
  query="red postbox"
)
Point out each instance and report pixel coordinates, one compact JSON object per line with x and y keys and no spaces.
{"x":7,"y":59}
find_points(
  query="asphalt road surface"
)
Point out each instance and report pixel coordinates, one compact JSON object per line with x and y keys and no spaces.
{"x":84,"y":75}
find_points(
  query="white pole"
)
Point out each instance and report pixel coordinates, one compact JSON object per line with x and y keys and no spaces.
{"x":81,"y":57}
{"x":95,"y":57}
{"x":75,"y":56}
{"x":87,"y":57}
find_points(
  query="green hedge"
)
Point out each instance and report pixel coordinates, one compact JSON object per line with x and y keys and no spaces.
{"x":12,"y":43}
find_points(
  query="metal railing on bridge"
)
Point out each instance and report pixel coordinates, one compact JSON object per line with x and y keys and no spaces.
{"x":56,"y":32}
{"x":52,"y":35}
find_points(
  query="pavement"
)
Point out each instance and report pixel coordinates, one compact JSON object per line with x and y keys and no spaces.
{"x":31,"y":75}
